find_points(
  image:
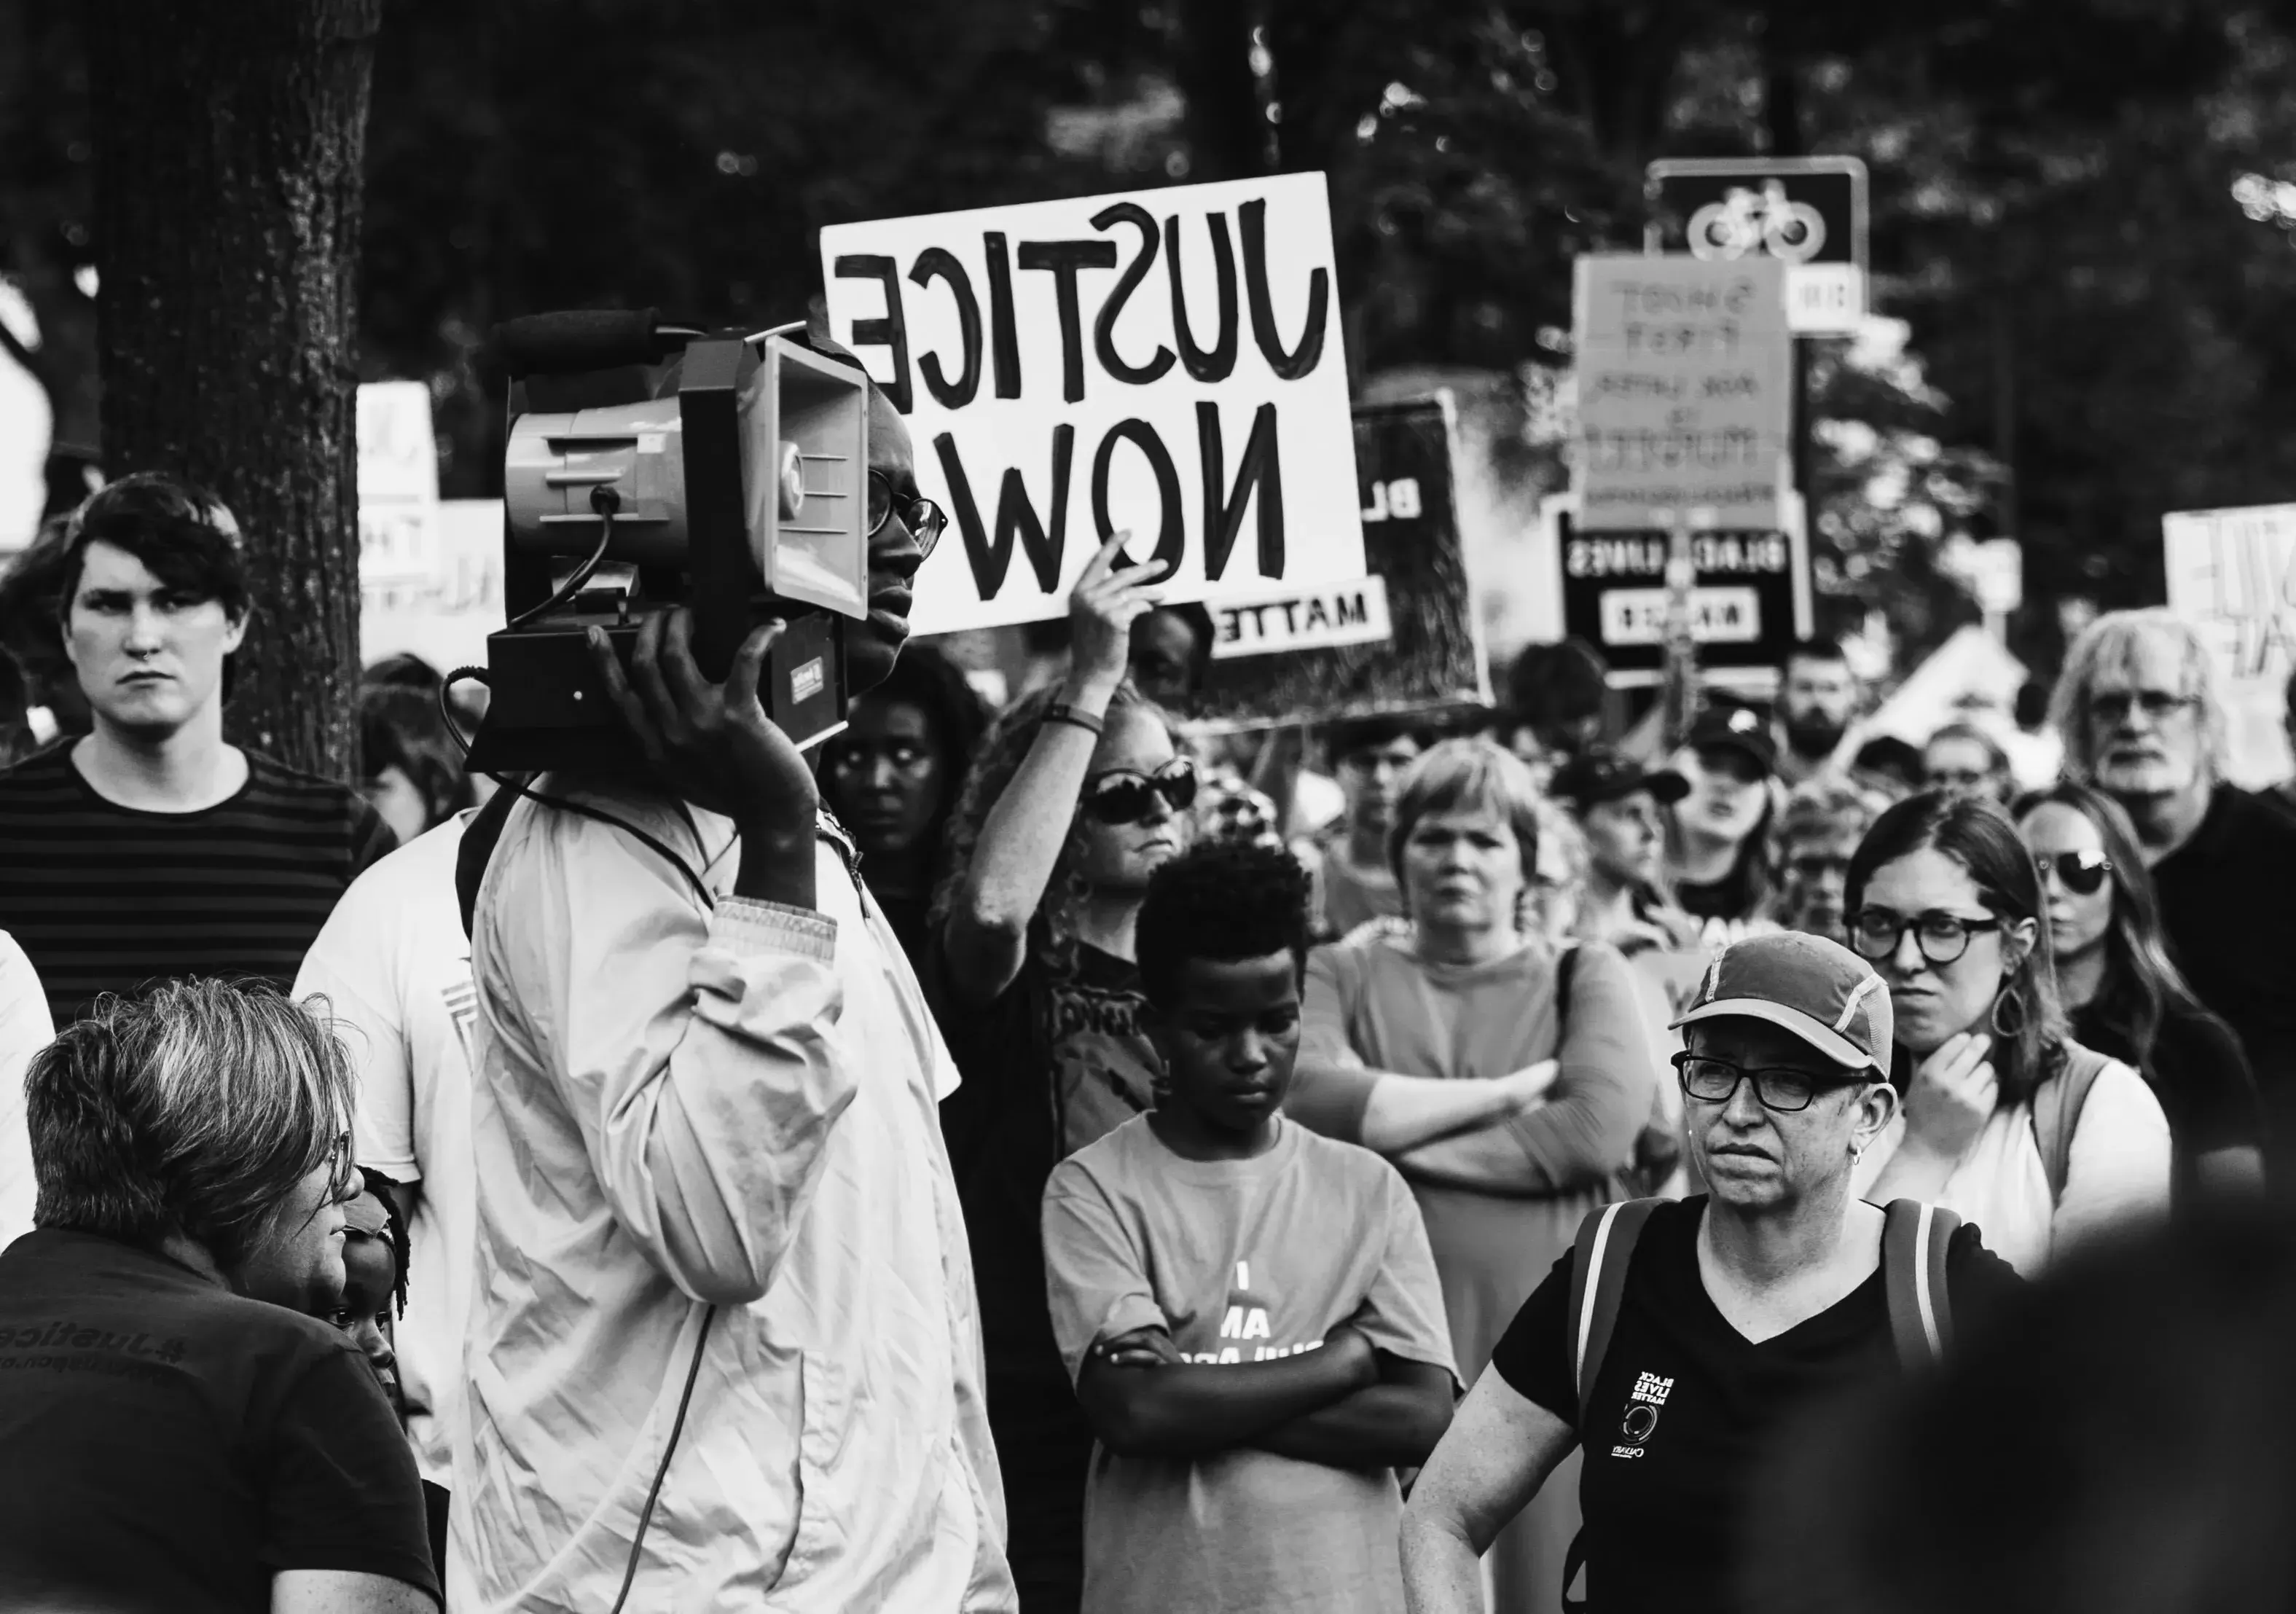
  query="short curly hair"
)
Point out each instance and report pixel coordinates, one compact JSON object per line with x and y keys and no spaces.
{"x":1224,"y":901}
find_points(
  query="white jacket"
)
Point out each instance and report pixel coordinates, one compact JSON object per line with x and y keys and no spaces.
{"x":678,"y":1108}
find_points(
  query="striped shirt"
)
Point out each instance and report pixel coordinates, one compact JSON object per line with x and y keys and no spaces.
{"x":106,"y":898}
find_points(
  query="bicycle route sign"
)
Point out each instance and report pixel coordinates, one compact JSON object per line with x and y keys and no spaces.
{"x":1807,"y":212}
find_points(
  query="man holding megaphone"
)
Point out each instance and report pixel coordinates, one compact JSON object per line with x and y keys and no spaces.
{"x":723,"y":1348}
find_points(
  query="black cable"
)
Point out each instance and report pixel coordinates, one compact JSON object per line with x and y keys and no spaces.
{"x":677,"y":1426}
{"x":605,"y":501}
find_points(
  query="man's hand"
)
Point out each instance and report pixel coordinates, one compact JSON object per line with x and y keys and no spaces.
{"x":1142,"y":1347}
{"x":712,"y":744}
{"x":1529,"y":1084}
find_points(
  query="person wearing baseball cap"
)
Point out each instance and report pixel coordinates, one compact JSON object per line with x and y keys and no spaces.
{"x":1618,"y":806}
{"x":1717,"y":840}
{"x":1731,"y":1311}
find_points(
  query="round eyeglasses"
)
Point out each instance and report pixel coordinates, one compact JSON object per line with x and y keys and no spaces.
{"x":925,"y":519}
{"x":1941,"y":936}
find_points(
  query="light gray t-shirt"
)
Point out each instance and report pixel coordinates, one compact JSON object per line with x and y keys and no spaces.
{"x":1239,"y":1261}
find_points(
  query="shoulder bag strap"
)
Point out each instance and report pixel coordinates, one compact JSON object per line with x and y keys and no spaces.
{"x":2057,"y":1112}
{"x":1566,"y":971}
{"x":1598,"y":1279}
{"x":1915,"y":1237}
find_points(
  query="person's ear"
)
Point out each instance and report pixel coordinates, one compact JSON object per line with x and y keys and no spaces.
{"x":1876,"y":1106}
{"x":235,"y":630}
{"x":2023,"y":936}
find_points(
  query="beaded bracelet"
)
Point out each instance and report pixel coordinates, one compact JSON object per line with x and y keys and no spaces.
{"x":1061,"y":711}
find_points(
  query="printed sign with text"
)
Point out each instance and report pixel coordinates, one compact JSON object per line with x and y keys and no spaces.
{"x":1684,"y":370}
{"x":2233,"y":574}
{"x":1166,"y":363}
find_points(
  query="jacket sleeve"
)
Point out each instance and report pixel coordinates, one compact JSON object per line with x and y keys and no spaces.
{"x":1608,"y":1081}
{"x":697,"y":1051}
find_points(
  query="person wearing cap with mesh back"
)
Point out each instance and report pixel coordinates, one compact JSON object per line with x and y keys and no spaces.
{"x":1676,"y":1338}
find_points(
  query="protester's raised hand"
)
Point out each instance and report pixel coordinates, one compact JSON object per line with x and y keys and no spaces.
{"x":1952,"y":1095}
{"x":1102,"y":606}
{"x":710,"y":744}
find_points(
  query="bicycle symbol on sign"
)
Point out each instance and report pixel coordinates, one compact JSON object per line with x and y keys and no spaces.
{"x":1745,"y":220}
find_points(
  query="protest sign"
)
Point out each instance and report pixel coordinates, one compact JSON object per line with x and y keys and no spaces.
{"x":397,"y":483}
{"x":1684,"y":370}
{"x":1166,"y":363}
{"x":1751,"y":599}
{"x":1332,"y":665}
{"x":2231,"y":573}
{"x":444,"y":616}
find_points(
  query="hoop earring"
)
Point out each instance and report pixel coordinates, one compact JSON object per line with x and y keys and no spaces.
{"x":2009,"y":995}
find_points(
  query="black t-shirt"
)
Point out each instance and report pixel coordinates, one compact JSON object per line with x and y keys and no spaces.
{"x":170,"y":1446}
{"x":2196,"y":1070}
{"x":2228,"y":904}
{"x":1684,"y":1406}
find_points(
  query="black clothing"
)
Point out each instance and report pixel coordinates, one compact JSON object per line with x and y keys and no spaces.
{"x":1684,"y":1405}
{"x":2228,"y":904}
{"x":171,"y":1445}
{"x":2199,"y":1074}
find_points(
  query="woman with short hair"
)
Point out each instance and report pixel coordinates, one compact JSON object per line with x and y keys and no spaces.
{"x":1509,"y":1079}
{"x":184,"y":1429}
{"x":2007,"y":1120}
{"x":2126,"y":998}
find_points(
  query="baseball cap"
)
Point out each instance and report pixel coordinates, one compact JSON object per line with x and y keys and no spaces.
{"x":1602,"y":774}
{"x":1817,"y":989}
{"x":1738,"y":728}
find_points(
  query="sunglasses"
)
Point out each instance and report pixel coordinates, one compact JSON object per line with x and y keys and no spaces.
{"x":925,"y":519}
{"x":2080,"y":872}
{"x":1124,"y":795}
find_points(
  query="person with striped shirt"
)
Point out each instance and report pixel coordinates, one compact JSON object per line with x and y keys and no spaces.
{"x":150,"y":847}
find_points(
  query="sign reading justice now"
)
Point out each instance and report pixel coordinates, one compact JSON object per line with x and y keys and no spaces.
{"x":1166,"y":362}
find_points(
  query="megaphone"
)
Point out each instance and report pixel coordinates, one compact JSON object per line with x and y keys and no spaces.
{"x":737,"y":486}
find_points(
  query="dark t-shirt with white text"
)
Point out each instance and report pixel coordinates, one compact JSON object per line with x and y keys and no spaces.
{"x":171,"y":1445}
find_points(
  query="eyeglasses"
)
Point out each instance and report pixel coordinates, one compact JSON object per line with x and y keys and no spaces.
{"x":2114,"y":705}
{"x":1124,"y":795}
{"x":925,"y":519}
{"x":1714,"y":1081}
{"x":1941,"y":936}
{"x":339,"y":1164}
{"x":2079,"y":873}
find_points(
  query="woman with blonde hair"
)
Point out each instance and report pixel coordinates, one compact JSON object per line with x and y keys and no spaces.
{"x":1508,"y":1078}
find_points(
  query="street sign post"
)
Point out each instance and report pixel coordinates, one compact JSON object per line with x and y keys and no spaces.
{"x":1809,"y":213}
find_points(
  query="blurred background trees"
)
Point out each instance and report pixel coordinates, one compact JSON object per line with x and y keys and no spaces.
{"x":2083,"y":210}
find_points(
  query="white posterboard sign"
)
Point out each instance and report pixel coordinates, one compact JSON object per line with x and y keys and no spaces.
{"x":397,"y":483}
{"x":1166,"y":363}
{"x":2233,"y":574}
{"x":1685,"y":373}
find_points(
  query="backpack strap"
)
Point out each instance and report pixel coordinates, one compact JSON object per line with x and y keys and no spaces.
{"x":1566,"y":971}
{"x":1915,"y":1237}
{"x":1598,"y":1279}
{"x":2057,"y":1112}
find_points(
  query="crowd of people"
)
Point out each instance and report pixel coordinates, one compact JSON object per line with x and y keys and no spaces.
{"x":1033,"y":1159}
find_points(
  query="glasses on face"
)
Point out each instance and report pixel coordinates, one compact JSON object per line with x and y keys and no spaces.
{"x":2112,"y":706}
{"x":1779,"y":1089}
{"x":1941,"y":936}
{"x":1124,"y":795}
{"x":2079,"y":873}
{"x":339,"y":1165}
{"x":925,"y":519}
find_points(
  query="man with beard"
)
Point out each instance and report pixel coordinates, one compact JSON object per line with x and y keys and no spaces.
{"x":1818,"y":699}
{"x":2142,"y":721}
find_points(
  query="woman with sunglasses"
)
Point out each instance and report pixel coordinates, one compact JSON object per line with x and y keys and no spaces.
{"x":1945,"y":902}
{"x":1508,"y":1078}
{"x":2124,"y":997}
{"x":1076,"y":795}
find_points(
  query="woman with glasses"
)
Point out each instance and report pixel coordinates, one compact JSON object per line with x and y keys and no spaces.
{"x":1507,"y":1079}
{"x":1078,"y":794}
{"x":1944,"y":900}
{"x":2125,"y":999}
{"x":1733,"y":1310}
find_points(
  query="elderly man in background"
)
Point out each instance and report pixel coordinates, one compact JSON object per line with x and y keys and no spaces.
{"x":2143,"y":721}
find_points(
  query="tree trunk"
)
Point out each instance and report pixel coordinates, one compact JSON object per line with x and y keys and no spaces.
{"x":229,"y":142}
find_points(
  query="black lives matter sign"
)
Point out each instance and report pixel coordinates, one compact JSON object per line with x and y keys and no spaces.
{"x":1748,"y":606}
